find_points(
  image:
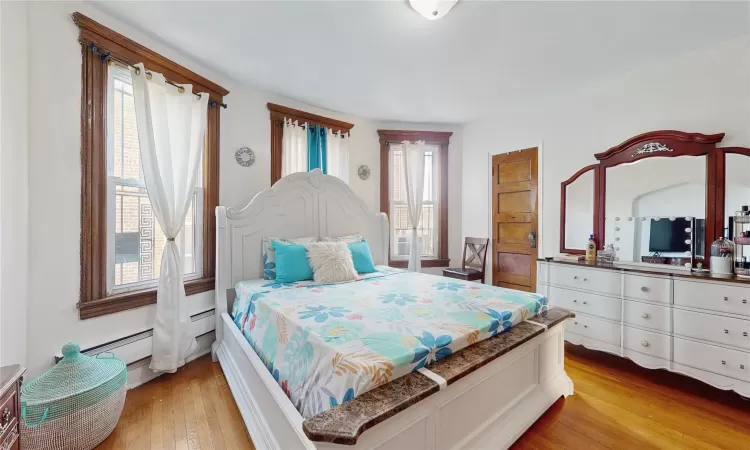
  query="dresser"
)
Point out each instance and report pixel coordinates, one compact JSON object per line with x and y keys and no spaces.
{"x":693,"y":324}
{"x":10,"y":390}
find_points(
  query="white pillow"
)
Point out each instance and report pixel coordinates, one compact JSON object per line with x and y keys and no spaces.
{"x":331,"y":262}
{"x":349,"y":239}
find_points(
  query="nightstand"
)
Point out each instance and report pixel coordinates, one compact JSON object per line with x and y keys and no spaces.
{"x":10,"y":412}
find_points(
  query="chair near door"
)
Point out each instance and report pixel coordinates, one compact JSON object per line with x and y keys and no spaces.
{"x":474,"y":259}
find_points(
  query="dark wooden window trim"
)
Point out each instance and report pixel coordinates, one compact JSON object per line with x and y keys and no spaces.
{"x":442,"y":139}
{"x":278,"y":114}
{"x":98,"y":44}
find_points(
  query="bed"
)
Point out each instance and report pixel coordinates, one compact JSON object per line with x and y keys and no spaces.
{"x":395,"y":360}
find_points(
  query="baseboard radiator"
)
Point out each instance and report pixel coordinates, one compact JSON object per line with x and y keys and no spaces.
{"x":135,"y":349}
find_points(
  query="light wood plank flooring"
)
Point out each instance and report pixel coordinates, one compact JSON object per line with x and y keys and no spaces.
{"x":616,"y":405}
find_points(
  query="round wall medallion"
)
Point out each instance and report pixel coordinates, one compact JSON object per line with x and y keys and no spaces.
{"x":245,"y":157}
{"x":363,"y":172}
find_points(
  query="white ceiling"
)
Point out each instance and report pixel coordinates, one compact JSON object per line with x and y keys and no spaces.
{"x":381,"y":60}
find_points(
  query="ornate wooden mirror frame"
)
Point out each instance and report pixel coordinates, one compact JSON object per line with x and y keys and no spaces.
{"x":563,"y":202}
{"x":660,"y":144}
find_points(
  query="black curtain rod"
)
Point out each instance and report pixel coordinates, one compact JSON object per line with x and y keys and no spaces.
{"x":303,"y":126}
{"x":106,"y":55}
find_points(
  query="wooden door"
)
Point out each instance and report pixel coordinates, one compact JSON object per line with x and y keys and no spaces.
{"x":515,"y":237}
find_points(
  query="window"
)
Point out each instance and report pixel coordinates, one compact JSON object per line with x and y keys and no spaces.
{"x":429,"y":224}
{"x":135,"y":241}
{"x":433,"y":226}
{"x":121,"y":241}
{"x":338,"y":152}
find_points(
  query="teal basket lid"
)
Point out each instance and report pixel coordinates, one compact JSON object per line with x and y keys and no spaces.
{"x":77,"y":381}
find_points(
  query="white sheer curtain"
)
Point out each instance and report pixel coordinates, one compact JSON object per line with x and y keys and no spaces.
{"x":293,"y":148}
{"x":413,"y":162}
{"x":338,"y":155}
{"x":171,"y":130}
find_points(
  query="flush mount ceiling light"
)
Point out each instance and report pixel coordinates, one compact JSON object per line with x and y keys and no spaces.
{"x":432,"y":9}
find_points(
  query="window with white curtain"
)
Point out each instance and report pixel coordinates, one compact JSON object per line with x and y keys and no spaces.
{"x":289,"y":140}
{"x":135,"y":241}
{"x":427,"y":230}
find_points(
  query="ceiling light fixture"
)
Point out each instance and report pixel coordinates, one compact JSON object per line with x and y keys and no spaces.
{"x":432,"y":9}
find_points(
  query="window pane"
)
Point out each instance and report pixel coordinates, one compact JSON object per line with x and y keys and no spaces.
{"x":139,"y":240}
{"x":136,"y":239}
{"x":399,"y":182}
{"x":400,"y":227}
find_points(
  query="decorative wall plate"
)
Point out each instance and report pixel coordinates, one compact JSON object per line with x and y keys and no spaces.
{"x":245,"y":157}
{"x":363,"y":172}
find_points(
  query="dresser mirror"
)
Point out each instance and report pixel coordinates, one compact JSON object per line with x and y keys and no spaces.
{"x":578,"y":196}
{"x":737,"y":189}
{"x":650,"y":189}
{"x":643,"y":201}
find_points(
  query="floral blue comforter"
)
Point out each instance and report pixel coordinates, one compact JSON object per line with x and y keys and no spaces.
{"x":327,"y":343}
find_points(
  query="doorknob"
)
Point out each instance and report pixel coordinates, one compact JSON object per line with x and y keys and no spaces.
{"x":532,"y":240}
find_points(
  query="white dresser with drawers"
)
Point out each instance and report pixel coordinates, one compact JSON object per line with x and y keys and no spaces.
{"x":694,"y":325}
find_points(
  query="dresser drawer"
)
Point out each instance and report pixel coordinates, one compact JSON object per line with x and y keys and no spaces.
{"x":542,"y":269}
{"x":600,"y":281}
{"x":8,"y":415}
{"x":647,"y":315}
{"x":593,"y":328}
{"x":709,"y":327}
{"x":647,"y":342}
{"x":730,"y":363}
{"x":585,"y":302}
{"x":713,"y":296}
{"x":647,"y":288}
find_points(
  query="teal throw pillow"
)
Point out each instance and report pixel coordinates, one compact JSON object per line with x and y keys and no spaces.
{"x":291,"y":263}
{"x":362,"y":257}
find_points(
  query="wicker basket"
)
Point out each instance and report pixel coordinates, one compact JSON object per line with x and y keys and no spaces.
{"x":75,"y":405}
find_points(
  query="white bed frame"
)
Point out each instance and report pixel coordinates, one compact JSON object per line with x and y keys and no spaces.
{"x":489,"y":408}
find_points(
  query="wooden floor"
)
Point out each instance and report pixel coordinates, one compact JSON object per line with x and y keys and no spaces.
{"x":617,"y":405}
{"x":190,"y":409}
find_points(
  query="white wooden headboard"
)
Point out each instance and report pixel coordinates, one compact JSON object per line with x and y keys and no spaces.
{"x":301,"y":204}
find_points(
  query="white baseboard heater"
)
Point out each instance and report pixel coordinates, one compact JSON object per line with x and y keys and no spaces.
{"x":135,"y":349}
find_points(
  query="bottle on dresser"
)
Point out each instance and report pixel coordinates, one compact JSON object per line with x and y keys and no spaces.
{"x":591,"y":250}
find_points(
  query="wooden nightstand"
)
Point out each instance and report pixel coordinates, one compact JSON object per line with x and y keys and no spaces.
{"x":10,"y":412}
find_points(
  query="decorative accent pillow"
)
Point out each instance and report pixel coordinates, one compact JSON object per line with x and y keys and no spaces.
{"x":269,"y":255}
{"x":291,"y":262}
{"x":349,"y":238}
{"x":361,"y":256}
{"x":331,"y":262}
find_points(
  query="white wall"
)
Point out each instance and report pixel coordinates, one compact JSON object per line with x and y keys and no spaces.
{"x":54,"y":90}
{"x":14,"y":183}
{"x":705,"y":91}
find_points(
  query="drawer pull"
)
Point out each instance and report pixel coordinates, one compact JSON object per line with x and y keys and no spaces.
{"x":575,"y":323}
{"x":585,"y":326}
{"x":584,"y":302}
{"x":726,"y":331}
{"x":644,"y":343}
{"x":644,"y":289}
{"x":726,"y":299}
{"x":5,"y":420}
{"x":644,"y":315}
{"x":744,"y":300}
{"x":585,"y":280}
{"x":744,"y":333}
{"x":723,"y":363}
{"x":575,"y":301}
{"x":575,"y":277}
{"x":742,"y":366}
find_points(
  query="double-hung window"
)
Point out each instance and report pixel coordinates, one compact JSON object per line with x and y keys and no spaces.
{"x":135,"y":241}
{"x":121,"y":241}
{"x":428,"y":228}
{"x":432,"y":230}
